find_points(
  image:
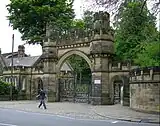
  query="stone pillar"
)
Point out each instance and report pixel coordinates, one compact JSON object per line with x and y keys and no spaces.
{"x":100,"y":81}
{"x":49,"y":57}
{"x":101,"y":50}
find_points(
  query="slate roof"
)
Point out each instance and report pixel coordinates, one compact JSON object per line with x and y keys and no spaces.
{"x":9,"y":55}
{"x":22,"y":61}
{"x":6,"y":54}
{"x":29,"y":61}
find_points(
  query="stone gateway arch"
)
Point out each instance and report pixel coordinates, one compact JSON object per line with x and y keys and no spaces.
{"x":108,"y":81}
{"x":97,"y":49}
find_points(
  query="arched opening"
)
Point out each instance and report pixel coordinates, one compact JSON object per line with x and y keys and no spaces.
{"x":120,"y":90}
{"x":70,"y":53}
{"x":40,"y":85}
{"x":74,"y":79}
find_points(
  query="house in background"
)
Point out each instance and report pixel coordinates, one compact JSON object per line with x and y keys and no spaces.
{"x":27,"y":71}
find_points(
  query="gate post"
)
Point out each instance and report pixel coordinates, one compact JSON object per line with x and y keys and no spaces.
{"x":101,"y":50}
{"x":49,"y":57}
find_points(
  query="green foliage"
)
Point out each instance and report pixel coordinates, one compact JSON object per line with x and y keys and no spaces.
{"x":30,"y":17}
{"x":82,"y":88}
{"x":5,"y":88}
{"x":78,"y":23}
{"x":150,"y":55}
{"x":80,"y":67}
{"x":78,"y":63}
{"x":88,"y":19}
{"x":134,"y":29}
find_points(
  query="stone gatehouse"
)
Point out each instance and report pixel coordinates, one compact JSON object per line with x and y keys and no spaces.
{"x":110,"y":81}
{"x":27,"y":72}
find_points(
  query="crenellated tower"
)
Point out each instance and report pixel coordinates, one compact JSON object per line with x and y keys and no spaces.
{"x":101,"y":51}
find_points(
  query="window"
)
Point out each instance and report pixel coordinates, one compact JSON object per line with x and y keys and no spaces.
{"x":9,"y":80}
{"x":6,"y":79}
{"x":15,"y":81}
{"x":23,"y":84}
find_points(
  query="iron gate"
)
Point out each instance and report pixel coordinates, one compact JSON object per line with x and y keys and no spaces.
{"x":70,"y":91}
{"x":117,"y":92}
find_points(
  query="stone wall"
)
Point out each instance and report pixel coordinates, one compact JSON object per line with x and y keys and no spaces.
{"x":145,"y":89}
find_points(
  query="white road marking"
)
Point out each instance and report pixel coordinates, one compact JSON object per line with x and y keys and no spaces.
{"x":114,"y":121}
{"x":5,"y":124}
{"x":21,"y":111}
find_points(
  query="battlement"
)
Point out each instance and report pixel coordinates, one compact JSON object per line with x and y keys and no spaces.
{"x":100,"y":30}
{"x":122,"y":66}
{"x":145,"y":74}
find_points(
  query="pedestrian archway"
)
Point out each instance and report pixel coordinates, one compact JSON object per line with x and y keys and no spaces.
{"x":120,"y":86}
{"x":118,"y":91}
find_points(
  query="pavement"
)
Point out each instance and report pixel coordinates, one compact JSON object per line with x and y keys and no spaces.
{"x":83,"y":111}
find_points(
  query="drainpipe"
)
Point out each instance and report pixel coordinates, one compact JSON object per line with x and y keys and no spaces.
{"x":30,"y":86}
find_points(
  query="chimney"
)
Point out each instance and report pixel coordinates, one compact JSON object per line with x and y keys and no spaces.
{"x":21,"y":51}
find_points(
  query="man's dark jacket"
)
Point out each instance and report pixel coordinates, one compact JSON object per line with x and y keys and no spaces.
{"x":42,"y":95}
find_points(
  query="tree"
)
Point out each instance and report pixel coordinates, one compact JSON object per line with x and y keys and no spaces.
{"x":117,"y":6}
{"x":78,"y":23}
{"x":30,"y":17}
{"x":135,"y":28}
{"x":150,"y":55}
{"x":88,"y":19}
{"x":120,"y":4}
{"x":81,"y":67}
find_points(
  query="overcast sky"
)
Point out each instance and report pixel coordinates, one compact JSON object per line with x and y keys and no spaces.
{"x":6,"y":31}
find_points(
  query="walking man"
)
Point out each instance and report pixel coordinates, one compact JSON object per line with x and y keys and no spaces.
{"x":42,"y":96}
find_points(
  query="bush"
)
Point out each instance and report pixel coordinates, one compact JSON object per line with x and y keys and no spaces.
{"x":5,"y":88}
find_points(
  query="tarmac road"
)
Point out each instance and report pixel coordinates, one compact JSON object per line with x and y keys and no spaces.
{"x":11,"y":117}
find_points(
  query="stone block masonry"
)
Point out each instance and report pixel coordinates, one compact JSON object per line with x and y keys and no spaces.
{"x":145,"y":89}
